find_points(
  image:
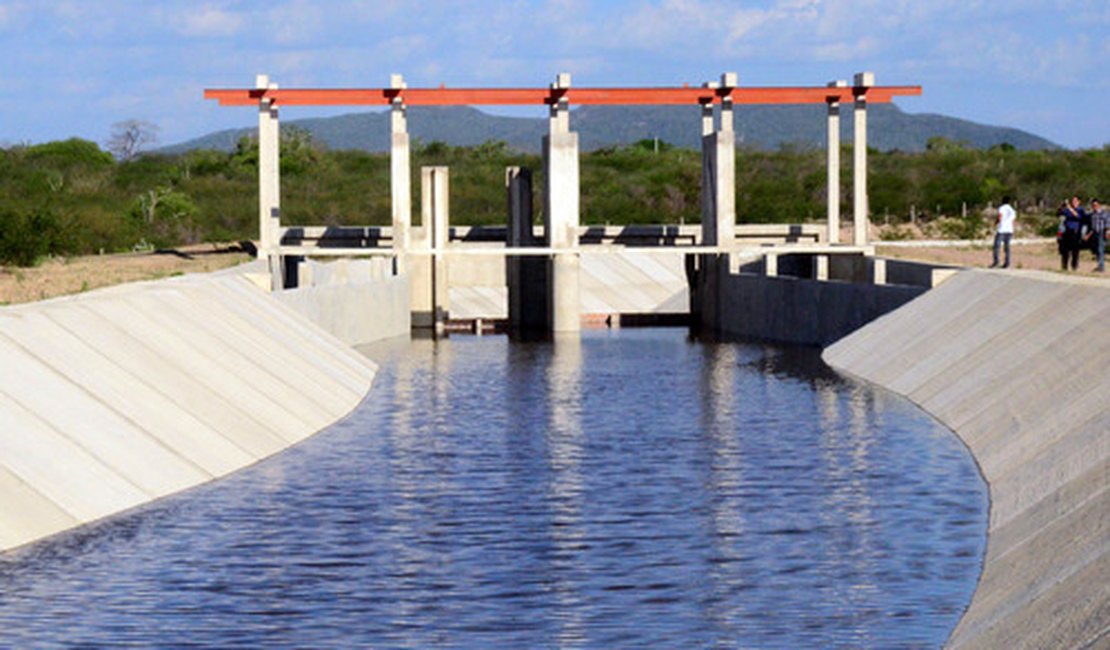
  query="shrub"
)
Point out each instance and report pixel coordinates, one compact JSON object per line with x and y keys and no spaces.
{"x":70,"y":153}
{"x":27,"y":237}
{"x":973,"y":226}
{"x":165,"y":217}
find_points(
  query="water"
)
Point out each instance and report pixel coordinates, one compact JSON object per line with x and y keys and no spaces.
{"x":630,"y":490}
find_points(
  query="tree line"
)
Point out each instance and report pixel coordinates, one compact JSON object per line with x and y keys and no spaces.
{"x":71,"y":197}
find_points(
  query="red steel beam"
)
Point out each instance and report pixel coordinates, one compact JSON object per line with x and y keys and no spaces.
{"x":541,"y":96}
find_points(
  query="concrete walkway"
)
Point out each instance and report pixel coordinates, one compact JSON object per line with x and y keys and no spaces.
{"x":1018,"y":365}
{"x":115,"y":398}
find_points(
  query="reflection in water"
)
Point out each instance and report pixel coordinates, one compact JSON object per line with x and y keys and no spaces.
{"x":565,"y":449}
{"x":724,"y":462}
{"x":626,"y":489}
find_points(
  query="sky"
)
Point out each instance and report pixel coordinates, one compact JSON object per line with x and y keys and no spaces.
{"x":75,"y":68}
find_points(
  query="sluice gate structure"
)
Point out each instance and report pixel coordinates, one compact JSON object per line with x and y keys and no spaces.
{"x":554,"y":276}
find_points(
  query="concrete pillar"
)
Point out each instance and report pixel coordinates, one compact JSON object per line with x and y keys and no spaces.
{"x":561,"y":217}
{"x":708,"y":220}
{"x":833,"y":166}
{"x":718,"y":207}
{"x":525,"y":277}
{"x":719,"y":178}
{"x":428,"y":271}
{"x":269,"y":171}
{"x":863,"y":81}
{"x":718,"y":219}
{"x":400,"y":169}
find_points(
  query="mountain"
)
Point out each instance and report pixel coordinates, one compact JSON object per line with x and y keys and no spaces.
{"x":764,"y":127}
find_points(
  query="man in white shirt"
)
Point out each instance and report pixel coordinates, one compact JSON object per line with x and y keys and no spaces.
{"x":1004,"y":231}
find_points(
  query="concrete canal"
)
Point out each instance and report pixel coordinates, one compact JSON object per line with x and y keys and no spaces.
{"x":631,"y":488}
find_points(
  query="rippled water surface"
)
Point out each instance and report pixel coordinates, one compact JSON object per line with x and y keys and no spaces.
{"x":629,"y":490}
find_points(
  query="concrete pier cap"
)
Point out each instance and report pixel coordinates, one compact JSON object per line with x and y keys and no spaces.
{"x":560,"y":109}
{"x":729,"y":80}
{"x":399,"y":125}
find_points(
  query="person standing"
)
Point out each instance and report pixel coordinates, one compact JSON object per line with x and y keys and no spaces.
{"x":1071,"y":224}
{"x":1004,"y":231}
{"x":1100,"y":222}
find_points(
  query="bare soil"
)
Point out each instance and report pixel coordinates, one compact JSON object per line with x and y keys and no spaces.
{"x":64,"y":276}
{"x":1039,"y":256}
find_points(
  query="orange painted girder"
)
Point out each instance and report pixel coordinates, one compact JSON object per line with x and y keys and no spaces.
{"x":541,"y":96}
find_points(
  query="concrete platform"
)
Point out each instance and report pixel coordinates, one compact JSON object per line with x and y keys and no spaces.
{"x":1018,"y":365}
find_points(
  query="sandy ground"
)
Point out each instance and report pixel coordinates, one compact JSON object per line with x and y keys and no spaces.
{"x":1037,"y":256}
{"x":64,"y":276}
{"x":58,"y":277}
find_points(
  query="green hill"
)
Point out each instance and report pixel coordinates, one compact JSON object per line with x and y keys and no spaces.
{"x":760,"y":127}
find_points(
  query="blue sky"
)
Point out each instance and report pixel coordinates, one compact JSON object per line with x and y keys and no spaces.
{"x":75,"y":68}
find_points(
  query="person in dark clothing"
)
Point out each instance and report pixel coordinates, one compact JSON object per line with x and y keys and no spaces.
{"x":1100,"y":223}
{"x":1070,"y":235}
{"x":1086,"y":241}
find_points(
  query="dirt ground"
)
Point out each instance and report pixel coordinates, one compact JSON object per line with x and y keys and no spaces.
{"x":1041,"y":256}
{"x":64,"y":276}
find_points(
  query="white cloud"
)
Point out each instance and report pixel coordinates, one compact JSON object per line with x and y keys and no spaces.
{"x":744,"y":24}
{"x":717,"y":28}
{"x":846,"y":50}
{"x":296,"y":22}
{"x":208,"y":21}
{"x":1009,"y":54}
{"x":91,"y":21}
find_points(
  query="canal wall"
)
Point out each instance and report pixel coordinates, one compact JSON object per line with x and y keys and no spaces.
{"x":1018,"y":365}
{"x":356,"y":301}
{"x":115,"y":398}
{"x":740,"y":297}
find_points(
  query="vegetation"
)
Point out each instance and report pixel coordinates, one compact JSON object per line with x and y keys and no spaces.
{"x":71,"y":197}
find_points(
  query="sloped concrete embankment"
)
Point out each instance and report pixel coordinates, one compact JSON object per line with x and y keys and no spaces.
{"x":1019,"y":367}
{"x":115,"y":398}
